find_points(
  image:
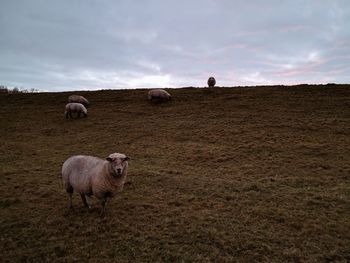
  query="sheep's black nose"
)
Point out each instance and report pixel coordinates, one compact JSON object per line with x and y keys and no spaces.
{"x":119,"y":171}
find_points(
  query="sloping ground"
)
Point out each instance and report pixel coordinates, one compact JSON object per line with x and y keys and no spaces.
{"x":216,"y":175}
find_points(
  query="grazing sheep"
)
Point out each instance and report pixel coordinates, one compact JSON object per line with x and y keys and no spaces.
{"x":158,"y":95}
{"x":75,"y":107}
{"x":90,"y":175}
{"x":211,"y":82}
{"x":78,"y":99}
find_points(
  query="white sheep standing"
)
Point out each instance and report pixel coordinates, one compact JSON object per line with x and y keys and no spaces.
{"x":75,"y":108}
{"x":211,"y":82}
{"x":78,"y":99}
{"x":88,"y":175}
{"x":158,"y":95}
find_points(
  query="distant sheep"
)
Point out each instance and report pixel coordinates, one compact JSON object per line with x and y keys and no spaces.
{"x":88,"y":175}
{"x":79,"y":99}
{"x":75,"y":108}
{"x":158,"y":95}
{"x":211,"y":82}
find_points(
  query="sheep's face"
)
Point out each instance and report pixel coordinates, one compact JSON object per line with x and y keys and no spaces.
{"x":118,"y":163}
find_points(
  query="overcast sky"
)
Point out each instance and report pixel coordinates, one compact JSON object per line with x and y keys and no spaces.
{"x":89,"y":44}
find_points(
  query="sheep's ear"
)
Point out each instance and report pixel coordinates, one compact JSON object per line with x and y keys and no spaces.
{"x":126,"y":158}
{"x":109,"y":159}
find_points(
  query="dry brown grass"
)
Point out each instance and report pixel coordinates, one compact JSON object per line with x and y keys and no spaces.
{"x":216,"y":175}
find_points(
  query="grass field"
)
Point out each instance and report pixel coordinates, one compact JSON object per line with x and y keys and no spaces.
{"x":257,"y":174}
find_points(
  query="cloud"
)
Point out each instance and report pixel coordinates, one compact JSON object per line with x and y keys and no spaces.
{"x":64,"y":45}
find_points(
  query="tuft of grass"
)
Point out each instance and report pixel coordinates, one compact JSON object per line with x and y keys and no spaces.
{"x":257,"y":174}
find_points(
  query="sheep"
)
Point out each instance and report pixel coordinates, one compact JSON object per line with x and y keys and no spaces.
{"x":158,"y":95}
{"x":75,"y":107}
{"x":88,"y":175}
{"x":79,"y":99}
{"x":211,"y":82}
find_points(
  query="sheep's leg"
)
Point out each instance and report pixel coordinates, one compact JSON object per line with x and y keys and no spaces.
{"x":66,"y":115}
{"x":70,"y":115}
{"x":70,"y":204}
{"x":79,"y":114}
{"x":83,"y":198}
{"x":69,"y":190}
{"x":103,"y":210}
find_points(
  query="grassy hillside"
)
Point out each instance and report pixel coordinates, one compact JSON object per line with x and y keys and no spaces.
{"x":216,"y":175}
